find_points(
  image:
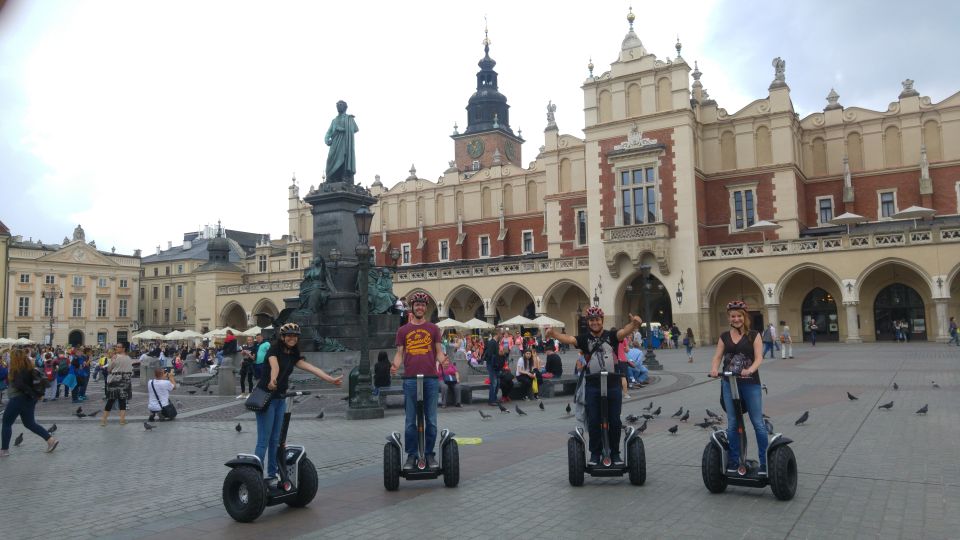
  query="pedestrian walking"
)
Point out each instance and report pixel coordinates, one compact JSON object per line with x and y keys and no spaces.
{"x":813,"y":332}
{"x":786,"y":342}
{"x":119,"y":384}
{"x":954,"y":333}
{"x":688,"y":343}
{"x":23,"y":401}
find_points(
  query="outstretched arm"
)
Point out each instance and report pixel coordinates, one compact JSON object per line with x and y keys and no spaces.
{"x":552,"y":332}
{"x":630,"y":327}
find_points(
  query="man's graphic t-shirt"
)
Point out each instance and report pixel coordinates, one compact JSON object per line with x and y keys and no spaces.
{"x":419,"y":342}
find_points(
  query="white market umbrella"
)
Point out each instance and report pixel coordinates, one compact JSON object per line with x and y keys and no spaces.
{"x":23,"y":341}
{"x":220,"y":332}
{"x":253,"y":332}
{"x":847,"y":218}
{"x":6,"y":341}
{"x":173,"y":336}
{"x":477,"y":324}
{"x":189,"y":334}
{"x":543,"y":320}
{"x":149,"y":334}
{"x":519,"y":320}
{"x":763,"y":226}
{"x":914,"y":213}
{"x":450,"y":324}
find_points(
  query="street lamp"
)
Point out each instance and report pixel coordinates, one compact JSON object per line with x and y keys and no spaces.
{"x":650,"y":358}
{"x":363,"y":405}
{"x":52,"y":293}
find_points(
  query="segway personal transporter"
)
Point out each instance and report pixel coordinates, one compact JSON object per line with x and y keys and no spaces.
{"x":636,"y":462}
{"x":448,"y":466}
{"x":781,"y":463}
{"x":246,"y":492}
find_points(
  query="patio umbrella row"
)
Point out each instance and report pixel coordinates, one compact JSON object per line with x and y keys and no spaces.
{"x":519,"y":320}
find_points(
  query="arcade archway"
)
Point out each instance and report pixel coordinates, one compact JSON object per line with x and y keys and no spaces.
{"x":75,"y":338}
{"x":464,"y":304}
{"x":234,"y":316}
{"x":899,"y":303}
{"x":820,"y":307}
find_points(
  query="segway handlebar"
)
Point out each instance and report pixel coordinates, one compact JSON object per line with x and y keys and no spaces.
{"x":722,"y":374}
{"x":296,"y":394}
{"x":415,"y":376}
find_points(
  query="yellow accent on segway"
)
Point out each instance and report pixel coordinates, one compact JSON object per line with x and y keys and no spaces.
{"x":468,"y":440}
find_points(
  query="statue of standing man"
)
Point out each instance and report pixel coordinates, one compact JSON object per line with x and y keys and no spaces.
{"x":341,"y":159}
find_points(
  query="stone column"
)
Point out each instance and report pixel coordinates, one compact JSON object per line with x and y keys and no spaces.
{"x":226,"y":378}
{"x":853,"y":333}
{"x":943,"y":319}
{"x":773,"y":314}
{"x":190,"y":364}
{"x":146,"y":371}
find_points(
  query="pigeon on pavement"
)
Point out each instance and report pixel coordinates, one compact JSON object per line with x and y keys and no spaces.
{"x":484,"y":416}
{"x":568,"y":408}
{"x":148,"y":427}
{"x":519,"y":410}
{"x":712,"y":414}
{"x":18,"y":440}
{"x":52,"y":429}
{"x":647,"y":416}
{"x":643,"y":427}
{"x":678,"y":413}
{"x":764,"y":387}
{"x":79,"y":410}
{"x":502,"y":408}
{"x":673,"y":430}
{"x":896,"y":386}
{"x":703,"y":425}
{"x":191,"y":392}
{"x":657,"y":412}
{"x":686,"y":416}
{"x":935,"y":385}
{"x":923,"y":410}
{"x":852,"y":397}
{"x":542,"y":408}
{"x":803,"y":418}
{"x":239,"y":428}
{"x":631,"y":419}
{"x":886,"y":406}
{"x":320,"y":416}
{"x":206,"y":387}
{"x":93,"y":414}
{"x":649,"y":407}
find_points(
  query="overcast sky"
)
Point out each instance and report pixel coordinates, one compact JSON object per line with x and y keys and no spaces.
{"x":142,"y":120}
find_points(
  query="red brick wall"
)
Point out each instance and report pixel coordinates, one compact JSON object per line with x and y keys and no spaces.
{"x":568,"y":227}
{"x":809,"y":210}
{"x":666,"y":174}
{"x":716,"y":216}
{"x":945,"y":189}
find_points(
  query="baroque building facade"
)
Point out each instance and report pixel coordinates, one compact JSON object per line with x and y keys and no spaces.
{"x":719,"y":205}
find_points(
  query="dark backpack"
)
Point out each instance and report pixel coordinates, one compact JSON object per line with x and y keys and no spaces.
{"x":38,"y":382}
{"x":64,"y":369}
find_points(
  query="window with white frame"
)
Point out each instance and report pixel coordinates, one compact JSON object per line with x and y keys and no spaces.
{"x":444,"y":251}
{"x":404,"y":253}
{"x":638,"y":196}
{"x":581,"y":223}
{"x":179,"y":314}
{"x":122,"y":310}
{"x":475,"y":166}
{"x":824,"y":210}
{"x":156,"y":271}
{"x":166,"y":291}
{"x":102,"y":282}
{"x":179,"y":268}
{"x":77,"y":309}
{"x":23,"y":307}
{"x":78,"y":281}
{"x":49,"y":279}
{"x":886,"y":204}
{"x":101,"y":307}
{"x":155,"y":294}
{"x":294,"y":260}
{"x":48,"y":307}
{"x":24,"y":278}
{"x":261,"y":263}
{"x":743,"y":211}
{"x":484,"y":245}
{"x":123,"y":284}
{"x":179,"y":291}
{"x":527,"y":241}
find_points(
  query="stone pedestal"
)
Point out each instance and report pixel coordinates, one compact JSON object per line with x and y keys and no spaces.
{"x":226,"y":375}
{"x":190,"y":365}
{"x":146,"y":371}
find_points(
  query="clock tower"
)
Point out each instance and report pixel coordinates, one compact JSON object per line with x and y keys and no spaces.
{"x":488,"y":139}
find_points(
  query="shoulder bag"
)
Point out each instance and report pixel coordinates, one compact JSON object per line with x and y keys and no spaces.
{"x":167,"y":410}
{"x":259,"y":398}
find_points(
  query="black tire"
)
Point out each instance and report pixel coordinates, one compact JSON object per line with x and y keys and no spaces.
{"x":391,"y":467}
{"x":782,"y":468}
{"x":244,"y":494}
{"x":637,"y":461}
{"x":576,"y":461}
{"x":711,"y":467}
{"x":451,"y":464}
{"x":307,"y":484}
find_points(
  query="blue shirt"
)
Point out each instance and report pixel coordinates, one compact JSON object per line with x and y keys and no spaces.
{"x":635,"y":356}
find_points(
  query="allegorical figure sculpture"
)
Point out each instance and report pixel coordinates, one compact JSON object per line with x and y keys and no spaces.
{"x":380,"y":291}
{"x":316,"y":287}
{"x":341,"y":159}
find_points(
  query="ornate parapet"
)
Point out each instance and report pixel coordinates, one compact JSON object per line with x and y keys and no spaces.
{"x":635,"y":240}
{"x":264,"y":286}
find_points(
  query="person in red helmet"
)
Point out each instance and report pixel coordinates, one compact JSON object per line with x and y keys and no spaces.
{"x":419,"y":349}
{"x":599,"y":349}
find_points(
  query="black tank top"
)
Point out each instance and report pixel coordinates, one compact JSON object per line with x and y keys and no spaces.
{"x":744,"y":347}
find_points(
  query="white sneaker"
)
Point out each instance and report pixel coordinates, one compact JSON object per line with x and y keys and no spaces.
{"x":239,"y":397}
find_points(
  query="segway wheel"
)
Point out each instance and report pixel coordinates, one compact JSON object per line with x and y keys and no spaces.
{"x":451,"y":464}
{"x":782,"y":468}
{"x":306,"y":484}
{"x":244,"y":494}
{"x":576,"y":461}
{"x":637,"y":462}
{"x":391,"y":467}
{"x":711,"y":467}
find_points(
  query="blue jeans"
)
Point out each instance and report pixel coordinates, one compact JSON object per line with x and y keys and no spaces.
{"x":494,"y":383}
{"x":750,"y":395}
{"x":431,"y":390}
{"x":767,"y":348}
{"x":638,"y":374}
{"x":954,"y":338}
{"x":269,"y":423}
{"x":23,"y":407}
{"x":614,"y":402}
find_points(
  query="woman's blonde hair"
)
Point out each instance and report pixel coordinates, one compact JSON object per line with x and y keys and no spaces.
{"x":18,"y":362}
{"x":746,"y":319}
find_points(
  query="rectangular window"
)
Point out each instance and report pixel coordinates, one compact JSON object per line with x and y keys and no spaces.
{"x":261,"y":263}
{"x":48,"y":307}
{"x":166,"y":270}
{"x":179,"y":268}
{"x":154,"y":316}
{"x":484,"y":246}
{"x":638,"y":196}
{"x":743,"y":209}
{"x":101,"y":307}
{"x":179,"y":314}
{"x":156,"y":271}
{"x":143,"y":293}
{"x":888,"y":204}
{"x":123,"y":284}
{"x":77,"y":310}
{"x":102,"y":282}
{"x":78,"y":281}
{"x":294,"y":260}
{"x":166,"y":315}
{"x":49,"y":280}
{"x":444,"y":250}
{"x":24,"y":278}
{"x":166,"y":291}
{"x":155,"y":293}
{"x":179,"y":291}
{"x":404,"y":253}
{"x":824,"y":210}
{"x":122,"y":311}
{"x":23,"y":308}
{"x":581,"y":227}
{"x":475,"y":166}
{"x":527,"y":242}
{"x":141,"y":317}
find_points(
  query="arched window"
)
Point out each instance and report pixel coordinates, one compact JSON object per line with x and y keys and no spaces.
{"x":728,"y":151}
{"x":891,"y":147}
{"x":819,"y":157}
{"x":664,"y":97}
{"x":565,"y":181}
{"x":486,"y":203}
{"x":855,"y":151}
{"x":931,"y":138}
{"x":606,"y":107}
{"x":507,"y":199}
{"x":439,"y":210}
{"x":402,"y":215}
{"x":533,"y":199}
{"x":764,"y":149}
{"x":633,"y":100}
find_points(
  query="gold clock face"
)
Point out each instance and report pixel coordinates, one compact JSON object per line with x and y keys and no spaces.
{"x":475,"y":148}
